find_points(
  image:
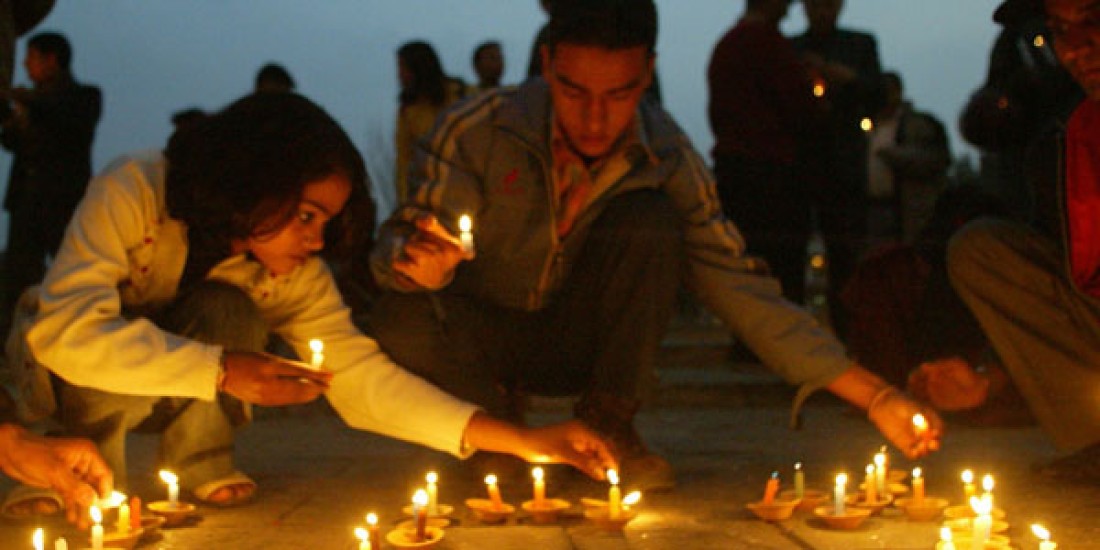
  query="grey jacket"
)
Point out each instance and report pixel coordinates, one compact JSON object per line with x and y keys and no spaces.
{"x":489,"y":157}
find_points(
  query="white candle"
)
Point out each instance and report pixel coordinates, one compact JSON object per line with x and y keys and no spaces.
{"x":799,"y":480}
{"x":364,"y":538}
{"x":838,"y":494}
{"x":61,"y":544}
{"x":433,"y":493}
{"x":632,"y":499}
{"x":880,"y":472}
{"x":946,"y":542}
{"x":982,"y":524}
{"x":97,"y":529}
{"x":317,"y":360}
{"x":968,"y":485}
{"x":987,"y":485}
{"x":38,"y":539}
{"x":465,"y":226}
{"x":1044,"y":536}
{"x":173,"y":487}
{"x":540,"y":487}
{"x":918,"y":486}
{"x":614,"y":496}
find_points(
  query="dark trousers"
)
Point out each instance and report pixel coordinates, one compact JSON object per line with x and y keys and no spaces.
{"x":34,"y":234}
{"x":598,"y":337}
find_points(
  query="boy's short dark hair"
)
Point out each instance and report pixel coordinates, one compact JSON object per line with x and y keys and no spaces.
{"x":482,"y":47}
{"x":610,"y":24}
{"x":55,"y":44}
{"x":274,"y":74}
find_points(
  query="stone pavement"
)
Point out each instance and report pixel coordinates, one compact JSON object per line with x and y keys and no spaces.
{"x":722,"y":424}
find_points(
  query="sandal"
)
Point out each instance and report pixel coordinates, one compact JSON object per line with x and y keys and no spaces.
{"x":25,"y":502}
{"x":242,"y":487}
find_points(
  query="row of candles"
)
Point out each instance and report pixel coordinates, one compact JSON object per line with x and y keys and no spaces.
{"x":129,"y":519}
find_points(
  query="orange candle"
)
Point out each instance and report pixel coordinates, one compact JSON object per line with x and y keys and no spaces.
{"x":494,"y":491}
{"x":420,"y":508}
{"x":771,"y":488}
{"x":135,"y":513}
{"x":540,"y":487}
{"x":870,"y":491}
{"x":373,"y":532}
{"x":614,"y":496}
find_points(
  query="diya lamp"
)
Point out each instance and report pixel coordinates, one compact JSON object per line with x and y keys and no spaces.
{"x":542,"y":509}
{"x":421,"y":535}
{"x":839,"y":516}
{"x":172,"y":510}
{"x":493,"y":509}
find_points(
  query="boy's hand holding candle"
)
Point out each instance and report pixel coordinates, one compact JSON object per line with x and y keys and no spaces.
{"x":892,"y":412}
{"x":429,"y":256}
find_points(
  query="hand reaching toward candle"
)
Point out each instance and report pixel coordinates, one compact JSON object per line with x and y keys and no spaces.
{"x":430,"y":255}
{"x":72,"y":467}
{"x":569,"y":442}
{"x":265,"y":379}
{"x":892,"y":412}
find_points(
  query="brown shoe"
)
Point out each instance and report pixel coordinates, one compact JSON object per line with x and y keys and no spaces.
{"x":613,"y":418}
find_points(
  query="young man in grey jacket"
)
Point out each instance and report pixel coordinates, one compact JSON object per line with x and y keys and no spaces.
{"x":588,"y":207}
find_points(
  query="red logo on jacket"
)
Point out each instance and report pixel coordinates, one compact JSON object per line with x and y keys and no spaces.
{"x":508,"y":183}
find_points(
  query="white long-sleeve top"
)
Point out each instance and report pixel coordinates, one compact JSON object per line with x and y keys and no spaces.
{"x":122,"y":252}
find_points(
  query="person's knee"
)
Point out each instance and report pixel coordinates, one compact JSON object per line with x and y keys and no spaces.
{"x":975,"y":248}
{"x":646,"y":217}
{"x":217,"y":312}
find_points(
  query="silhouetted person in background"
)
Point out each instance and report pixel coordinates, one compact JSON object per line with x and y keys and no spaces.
{"x":907,"y":165}
{"x":765,"y":120}
{"x":846,"y":63}
{"x":488,"y":62}
{"x":50,"y":134}
{"x":274,"y":78}
{"x":425,"y":92}
{"x":1022,"y":93}
{"x":184,"y":118}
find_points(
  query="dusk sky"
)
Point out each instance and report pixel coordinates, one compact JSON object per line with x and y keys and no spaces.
{"x":154,"y":57}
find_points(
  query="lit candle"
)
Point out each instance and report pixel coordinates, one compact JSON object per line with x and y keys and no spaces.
{"x":420,"y":510}
{"x":880,"y":472}
{"x":135,"y":512}
{"x":870,"y":493}
{"x":433,"y":493}
{"x":632,"y":499}
{"x":771,"y":488}
{"x":97,"y":529}
{"x":317,"y":360}
{"x":540,"y":487}
{"x":987,"y":485}
{"x":819,"y":87}
{"x":123,"y":524}
{"x":38,"y":539}
{"x":1044,"y":536}
{"x":173,"y":487}
{"x":364,"y":538}
{"x":968,"y":485}
{"x":465,"y":225}
{"x":866,"y":124}
{"x":61,"y":544}
{"x":838,"y":494}
{"x":799,"y":481}
{"x":494,"y":492}
{"x":614,"y":496}
{"x":946,"y":540}
{"x":920,"y":425}
{"x":918,"y":486}
{"x":982,"y":524}
{"x":373,"y":530}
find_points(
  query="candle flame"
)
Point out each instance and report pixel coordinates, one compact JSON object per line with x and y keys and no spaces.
{"x":490,"y":479}
{"x":38,"y":539}
{"x":1040,"y":531}
{"x":361,"y":534}
{"x":115,"y":500}
{"x":819,"y":90}
{"x":968,"y":476}
{"x":842,"y":479}
{"x":870,"y":469}
{"x":372,"y":519}
{"x":420,"y":498}
{"x":1039,"y":41}
{"x":97,"y":516}
{"x":316,"y":346}
{"x":465,"y":224}
{"x":866,"y":124}
{"x":945,"y":534}
{"x":916,"y":473}
{"x":880,"y":460}
{"x":632,"y":499}
{"x":919,"y":422}
{"x":432,"y":477}
{"x":536,"y":473}
{"x":613,"y":476}
{"x":169,"y":477}
{"x":981,"y":506}
{"x":797,"y":465}
{"x":987,"y":483}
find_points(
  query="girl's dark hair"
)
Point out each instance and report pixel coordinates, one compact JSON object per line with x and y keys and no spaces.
{"x":428,"y":80}
{"x":241,"y":172}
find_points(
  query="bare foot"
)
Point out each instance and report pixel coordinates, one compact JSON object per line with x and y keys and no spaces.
{"x":232,"y":494}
